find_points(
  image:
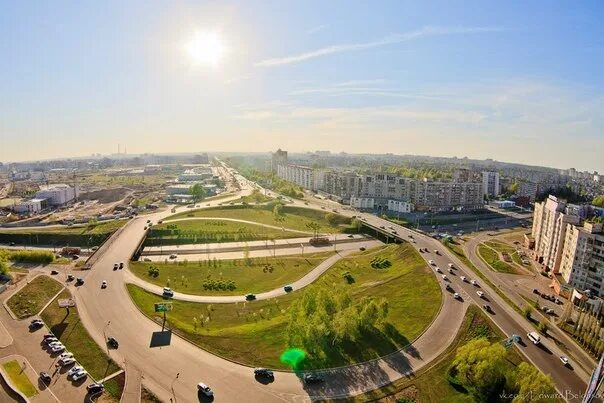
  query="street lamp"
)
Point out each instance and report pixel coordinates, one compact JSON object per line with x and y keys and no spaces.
{"x":105,"y":335}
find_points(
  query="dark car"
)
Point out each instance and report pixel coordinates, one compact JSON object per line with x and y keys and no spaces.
{"x":45,"y":377}
{"x":487,"y":308}
{"x":313,"y":378}
{"x":11,"y":244}
{"x":36,"y":324}
{"x":250,"y":297}
{"x":48,"y":336}
{"x":54,"y":272}
{"x":70,"y":277}
{"x":263,"y":372}
{"x":121,"y":265}
{"x":112,"y":342}
{"x":536,"y":291}
{"x":288,"y":288}
{"x":115,"y":266}
{"x":95,"y":388}
{"x":79,"y":281}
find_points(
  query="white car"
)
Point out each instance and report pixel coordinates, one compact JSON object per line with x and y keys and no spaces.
{"x":104,"y":284}
{"x":456,"y":296}
{"x":57,"y":348}
{"x":451,"y":266}
{"x":444,"y":276}
{"x":79,"y":375}
{"x":473,"y":282}
{"x":55,"y":343}
{"x":66,"y":361}
{"x":205,"y":389}
{"x":564,"y":360}
{"x":480,"y":294}
{"x":431,"y":262}
{"x":74,"y":370}
{"x":65,"y":355}
{"x":50,"y":340}
{"x":450,"y":270}
{"x":438,"y":269}
{"x":463,"y":278}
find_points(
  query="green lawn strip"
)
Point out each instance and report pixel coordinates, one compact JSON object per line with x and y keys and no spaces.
{"x":458,"y":251}
{"x":254,"y":333}
{"x":68,"y":328}
{"x":500,"y":246}
{"x":213,"y":231}
{"x":430,"y":384}
{"x":19,"y":378}
{"x":491,"y":258}
{"x":115,"y":386}
{"x":253,"y":275}
{"x":100,"y":228}
{"x":296,"y":218}
{"x":29,"y":300}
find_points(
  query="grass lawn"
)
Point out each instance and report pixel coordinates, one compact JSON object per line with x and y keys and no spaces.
{"x":68,"y":328}
{"x":115,"y":386}
{"x":257,"y":275}
{"x":296,"y":218}
{"x":31,"y":299}
{"x":430,"y":384}
{"x":509,"y":249}
{"x":255,"y":332}
{"x":19,"y":378}
{"x":212,"y":231}
{"x":100,"y":228}
{"x":492,"y":259}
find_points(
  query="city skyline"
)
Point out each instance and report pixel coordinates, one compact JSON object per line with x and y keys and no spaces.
{"x":515,"y":82}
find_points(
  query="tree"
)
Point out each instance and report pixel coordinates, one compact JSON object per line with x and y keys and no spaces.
{"x":533,"y":385}
{"x":331,"y":219}
{"x":356,"y":224}
{"x":198,"y":192}
{"x":278,"y":211}
{"x":542,"y":327}
{"x":598,"y":201}
{"x":526,"y":312}
{"x":478,"y":365}
{"x":3,"y":267}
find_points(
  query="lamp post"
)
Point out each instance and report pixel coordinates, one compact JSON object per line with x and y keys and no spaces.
{"x":105,"y":335}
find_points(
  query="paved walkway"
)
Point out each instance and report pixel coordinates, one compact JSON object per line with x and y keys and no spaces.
{"x":132,"y":388}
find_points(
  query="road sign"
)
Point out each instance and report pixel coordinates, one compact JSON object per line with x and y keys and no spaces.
{"x":163,"y":307}
{"x":66,"y":303}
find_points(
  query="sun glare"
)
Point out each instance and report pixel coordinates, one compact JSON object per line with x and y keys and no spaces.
{"x":206,"y":48}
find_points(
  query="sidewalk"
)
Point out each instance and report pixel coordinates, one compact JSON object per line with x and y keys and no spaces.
{"x":44,"y":393}
{"x":132,"y":388}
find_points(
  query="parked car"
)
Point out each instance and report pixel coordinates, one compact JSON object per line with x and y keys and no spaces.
{"x":112,"y":342}
{"x":451,"y":266}
{"x":456,"y":296}
{"x":564,"y":360}
{"x":480,"y":294}
{"x":263,"y":372}
{"x":48,"y":336}
{"x":463,"y":278}
{"x":536,"y":291}
{"x":79,"y":281}
{"x":121,"y":265}
{"x":474,"y":282}
{"x":79,"y":375}
{"x":74,"y":371}
{"x":313,"y":378}
{"x":45,"y":377}
{"x":450,"y":270}
{"x":438,"y":269}
{"x":50,"y":340}
{"x":57,"y":348}
{"x":205,"y":389}
{"x":431,"y":262}
{"x":70,"y":277}
{"x":487,"y":308}
{"x":66,"y":361}
{"x":36,"y":324}
{"x":448,"y":287}
{"x":65,"y":355}
{"x":104,"y":284}
{"x":95,"y":388}
{"x":115,"y":266}
{"x":54,"y":272}
{"x":173,"y":256}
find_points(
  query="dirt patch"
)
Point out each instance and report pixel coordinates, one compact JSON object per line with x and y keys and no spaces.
{"x":409,"y":394}
{"x":105,"y":195}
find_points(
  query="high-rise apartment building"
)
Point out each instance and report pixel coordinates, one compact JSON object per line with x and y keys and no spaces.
{"x":490,"y":183}
{"x":279,"y":157}
{"x":583,"y":257}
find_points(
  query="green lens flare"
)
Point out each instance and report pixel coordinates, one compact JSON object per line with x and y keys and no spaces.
{"x":293,"y":357}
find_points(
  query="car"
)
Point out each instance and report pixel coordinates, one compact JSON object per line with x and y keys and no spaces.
{"x":438,"y":269}
{"x":94,"y":248}
{"x":436,"y":251}
{"x":11,"y":244}
{"x":564,"y":360}
{"x":534,"y":337}
{"x":410,"y":235}
{"x":70,"y":277}
{"x":112,"y":342}
{"x":288,"y":288}
{"x":115,"y":266}
{"x":74,"y":371}
{"x":50,"y":340}
{"x":313,"y":378}
{"x":536,"y":291}
{"x":45,"y":377}
{"x":173,"y":256}
{"x":431,"y":262}
{"x":66,"y":361}
{"x":36,"y":324}
{"x":263,"y":372}
{"x":57,"y":348}
{"x":48,"y":336}
{"x":250,"y":297}
{"x":167,"y":292}
{"x":480,"y":294}
{"x":448,"y":287}
{"x":54,"y":343}
{"x":444,"y":276}
{"x":456,"y":296}
{"x":474,"y":282}
{"x":148,"y":221}
{"x":54,"y":272}
{"x":121,"y":265}
{"x":550,"y":311}
{"x":463,"y":278}
{"x":451,"y":266}
{"x":95,"y":388}
{"x":79,"y":281}
{"x":65,"y":355}
{"x":205,"y":389}
{"x":487,"y":308}
{"x":75,"y":257}
{"x":450,"y":270}
{"x":350,"y":236}
{"x":79,"y":375}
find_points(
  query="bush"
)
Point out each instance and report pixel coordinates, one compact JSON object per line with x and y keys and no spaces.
{"x":31,"y":256}
{"x":380,"y":263}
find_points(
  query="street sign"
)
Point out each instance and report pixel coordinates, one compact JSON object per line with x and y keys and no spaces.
{"x":163,"y":307}
{"x":66,"y":303}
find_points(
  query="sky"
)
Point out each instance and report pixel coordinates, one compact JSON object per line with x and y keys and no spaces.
{"x":514,"y":81}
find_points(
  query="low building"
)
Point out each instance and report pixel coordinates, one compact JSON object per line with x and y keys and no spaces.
{"x":32,"y":206}
{"x":362,"y":202}
{"x":503,"y":204}
{"x":57,"y":195}
{"x":399,"y":206}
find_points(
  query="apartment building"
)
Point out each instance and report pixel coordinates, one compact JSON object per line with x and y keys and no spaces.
{"x":303,"y":176}
{"x":57,"y":195}
{"x":441,"y":196}
{"x":550,"y":223}
{"x":490,"y":183}
{"x":582,"y":263}
{"x":279,"y":157}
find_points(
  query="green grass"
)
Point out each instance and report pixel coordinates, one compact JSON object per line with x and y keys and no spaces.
{"x":255,"y":332}
{"x":255,"y":197}
{"x":256,"y":275}
{"x":115,"y":386}
{"x":212,"y":231}
{"x":68,"y":328}
{"x":430,"y":384}
{"x":296,"y":218}
{"x":19,"y":378}
{"x":491,"y":258}
{"x":31,"y":299}
{"x":100,"y":228}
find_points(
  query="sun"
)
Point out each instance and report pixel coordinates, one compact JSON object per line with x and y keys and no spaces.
{"x":206,"y":48}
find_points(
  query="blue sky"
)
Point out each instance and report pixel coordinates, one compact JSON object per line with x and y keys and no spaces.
{"x":514,"y":81}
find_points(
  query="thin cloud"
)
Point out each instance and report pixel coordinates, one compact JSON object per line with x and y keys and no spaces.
{"x":316,"y":29}
{"x":389,"y":40}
